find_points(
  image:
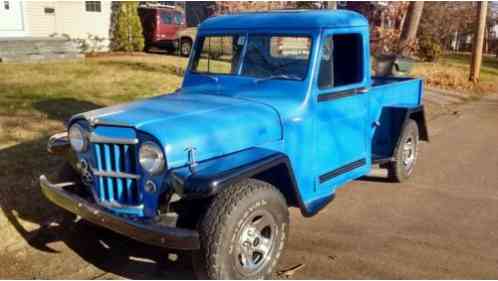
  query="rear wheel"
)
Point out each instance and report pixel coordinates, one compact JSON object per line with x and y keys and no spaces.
{"x":243,"y":232}
{"x":185,"y":47}
{"x":405,"y":155}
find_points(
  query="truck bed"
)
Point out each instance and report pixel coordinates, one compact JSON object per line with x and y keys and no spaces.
{"x":390,"y":99}
{"x":392,"y":91}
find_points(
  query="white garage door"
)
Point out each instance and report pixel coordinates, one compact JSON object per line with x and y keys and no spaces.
{"x":11,"y":18}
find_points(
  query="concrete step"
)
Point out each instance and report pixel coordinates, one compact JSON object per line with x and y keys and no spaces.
{"x":23,"y":58}
{"x":37,"y":49}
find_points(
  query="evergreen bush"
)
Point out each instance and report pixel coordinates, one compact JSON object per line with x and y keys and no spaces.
{"x":127,"y":33}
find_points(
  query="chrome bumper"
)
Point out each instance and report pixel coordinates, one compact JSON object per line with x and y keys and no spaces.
{"x":145,"y":231}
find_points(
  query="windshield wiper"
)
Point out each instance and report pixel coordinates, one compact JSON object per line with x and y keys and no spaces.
{"x":277,"y":77}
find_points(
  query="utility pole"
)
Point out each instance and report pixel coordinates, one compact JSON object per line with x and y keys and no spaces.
{"x":475,"y":63}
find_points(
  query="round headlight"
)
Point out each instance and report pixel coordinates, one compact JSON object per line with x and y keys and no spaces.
{"x":77,"y":138}
{"x":151,"y":158}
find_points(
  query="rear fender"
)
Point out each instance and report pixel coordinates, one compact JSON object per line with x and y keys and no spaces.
{"x":391,"y":123}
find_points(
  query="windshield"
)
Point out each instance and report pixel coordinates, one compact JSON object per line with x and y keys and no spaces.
{"x":266,"y":57}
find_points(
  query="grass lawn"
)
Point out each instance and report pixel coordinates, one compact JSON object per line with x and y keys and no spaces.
{"x":36,"y":98}
{"x":452,"y":72}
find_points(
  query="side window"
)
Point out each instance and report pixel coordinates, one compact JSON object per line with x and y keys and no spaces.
{"x":178,"y":19}
{"x":342,"y":61}
{"x":93,"y":6}
{"x":166,"y":18}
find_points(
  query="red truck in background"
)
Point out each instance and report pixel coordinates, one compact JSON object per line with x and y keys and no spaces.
{"x":160,"y":26}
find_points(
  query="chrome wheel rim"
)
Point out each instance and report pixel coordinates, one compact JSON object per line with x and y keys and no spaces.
{"x":409,"y":154}
{"x":185,"y":49}
{"x":256,"y":242}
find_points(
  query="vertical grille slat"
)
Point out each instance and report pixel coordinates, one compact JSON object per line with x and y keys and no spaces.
{"x":100,"y":187}
{"x":108,"y":165}
{"x":117,"y":158}
{"x":117,"y":165}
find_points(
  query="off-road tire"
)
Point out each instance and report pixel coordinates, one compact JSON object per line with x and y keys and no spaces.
{"x":223,"y":221}
{"x":185,"y":47}
{"x":397,"y":170}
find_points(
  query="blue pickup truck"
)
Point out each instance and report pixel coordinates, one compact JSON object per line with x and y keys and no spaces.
{"x":276,"y":110}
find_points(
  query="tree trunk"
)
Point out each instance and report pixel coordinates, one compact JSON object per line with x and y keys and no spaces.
{"x":475,"y":65}
{"x":410,"y":27}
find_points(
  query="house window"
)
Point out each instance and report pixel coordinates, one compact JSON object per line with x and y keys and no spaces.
{"x":6,"y":5}
{"x":342,"y":61}
{"x":93,"y":6}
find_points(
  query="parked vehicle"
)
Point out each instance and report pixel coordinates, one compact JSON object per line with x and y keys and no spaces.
{"x":160,"y":27}
{"x":283,"y":118}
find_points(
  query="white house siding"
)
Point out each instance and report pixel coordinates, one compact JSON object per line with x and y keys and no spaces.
{"x":39,"y":24}
{"x":69,"y":18}
{"x":12,"y":19}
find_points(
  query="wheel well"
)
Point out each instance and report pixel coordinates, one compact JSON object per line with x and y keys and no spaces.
{"x":279,"y":177}
{"x":185,"y":38}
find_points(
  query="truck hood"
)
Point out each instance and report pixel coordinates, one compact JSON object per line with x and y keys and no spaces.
{"x":214,"y":125}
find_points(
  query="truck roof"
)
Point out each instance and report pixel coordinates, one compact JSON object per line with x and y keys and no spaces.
{"x":286,"y":19}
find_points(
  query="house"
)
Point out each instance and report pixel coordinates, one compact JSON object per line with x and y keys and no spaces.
{"x":51,"y":25}
{"x":76,"y":19}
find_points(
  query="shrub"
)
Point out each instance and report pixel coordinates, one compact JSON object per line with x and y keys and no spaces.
{"x":429,"y":49}
{"x":127,"y":34}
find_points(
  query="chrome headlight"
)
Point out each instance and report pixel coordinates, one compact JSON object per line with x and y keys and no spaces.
{"x":151,"y":158}
{"x":77,"y":138}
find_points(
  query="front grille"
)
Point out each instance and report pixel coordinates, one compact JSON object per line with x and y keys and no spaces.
{"x":115,"y":174}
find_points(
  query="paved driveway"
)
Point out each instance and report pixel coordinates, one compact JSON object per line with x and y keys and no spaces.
{"x":443,"y":224}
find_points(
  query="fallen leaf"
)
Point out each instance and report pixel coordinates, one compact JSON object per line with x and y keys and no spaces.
{"x":291,"y":271}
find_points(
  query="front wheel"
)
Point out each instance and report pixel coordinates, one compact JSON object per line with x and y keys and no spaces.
{"x":405,"y":155}
{"x":243,"y":232}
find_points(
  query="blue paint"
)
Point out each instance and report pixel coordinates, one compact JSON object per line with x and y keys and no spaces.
{"x":225,"y":114}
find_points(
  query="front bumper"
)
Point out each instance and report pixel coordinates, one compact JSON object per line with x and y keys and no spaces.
{"x":146,"y":231}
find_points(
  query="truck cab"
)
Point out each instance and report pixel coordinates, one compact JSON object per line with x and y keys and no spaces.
{"x":276,"y":110}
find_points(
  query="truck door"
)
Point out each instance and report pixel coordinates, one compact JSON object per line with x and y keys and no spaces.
{"x":341,"y":110}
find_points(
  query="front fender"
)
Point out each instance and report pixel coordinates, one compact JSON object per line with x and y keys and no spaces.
{"x":209,"y":177}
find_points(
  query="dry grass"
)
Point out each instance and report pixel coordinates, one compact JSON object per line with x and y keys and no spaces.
{"x":452,"y":73}
{"x":34,"y":98}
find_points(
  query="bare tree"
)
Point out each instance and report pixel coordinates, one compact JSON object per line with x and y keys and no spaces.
{"x":475,"y":65}
{"x":410,"y":27}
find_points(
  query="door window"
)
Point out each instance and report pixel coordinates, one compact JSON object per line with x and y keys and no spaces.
{"x":342,"y":61}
